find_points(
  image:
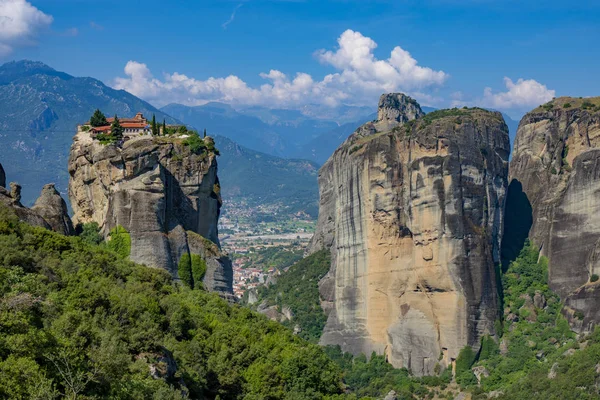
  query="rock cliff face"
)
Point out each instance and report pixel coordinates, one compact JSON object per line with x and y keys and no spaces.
{"x":164,"y":195}
{"x":412,"y":209}
{"x":50,"y":210}
{"x":557,"y":162}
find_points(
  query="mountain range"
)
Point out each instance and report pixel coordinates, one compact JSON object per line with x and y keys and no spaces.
{"x":40,"y":108}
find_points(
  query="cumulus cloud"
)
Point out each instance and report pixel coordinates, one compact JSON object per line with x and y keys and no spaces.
{"x":359,"y":80}
{"x":20,"y":23}
{"x":525,"y":93}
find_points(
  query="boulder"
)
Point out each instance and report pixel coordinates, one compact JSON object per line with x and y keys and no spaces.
{"x":51,"y":206}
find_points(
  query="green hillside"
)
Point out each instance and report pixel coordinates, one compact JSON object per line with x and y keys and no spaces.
{"x":77,"y":321}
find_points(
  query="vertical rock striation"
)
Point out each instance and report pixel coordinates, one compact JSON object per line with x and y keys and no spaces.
{"x":160,"y":192}
{"x":412,"y":209}
{"x":557,"y":162}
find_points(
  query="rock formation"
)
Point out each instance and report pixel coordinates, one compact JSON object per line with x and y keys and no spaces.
{"x":412,"y":209}
{"x":163,"y":194}
{"x":51,"y":206}
{"x":556,"y":161}
{"x":50,"y":211}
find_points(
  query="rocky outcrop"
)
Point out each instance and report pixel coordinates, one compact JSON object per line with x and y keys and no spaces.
{"x":163,"y":194}
{"x":51,"y":211}
{"x":51,"y":206}
{"x":556,"y":161}
{"x":412,"y":212}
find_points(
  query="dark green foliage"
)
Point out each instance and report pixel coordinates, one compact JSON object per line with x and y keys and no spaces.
{"x":90,"y":233}
{"x":465,"y":360}
{"x":119,"y":241}
{"x":489,"y":348}
{"x":153,"y":126}
{"x":594,"y":278}
{"x":354,"y":149}
{"x":567,"y":105}
{"x":116,"y":130}
{"x":198,"y":271}
{"x":587,"y":105}
{"x":98,"y":119}
{"x":375,"y":377}
{"x":548,"y":106}
{"x":69,"y":306}
{"x":204,"y":132}
{"x":164,"y":126}
{"x":184,"y":270}
{"x":195,"y":143}
{"x":298,"y":289}
{"x":191,"y":270}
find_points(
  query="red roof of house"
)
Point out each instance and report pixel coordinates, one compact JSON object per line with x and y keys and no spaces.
{"x":133,"y":125}
{"x":101,"y":128}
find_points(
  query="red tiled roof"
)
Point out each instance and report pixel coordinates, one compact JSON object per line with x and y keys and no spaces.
{"x":101,"y":128}
{"x":133,"y":125}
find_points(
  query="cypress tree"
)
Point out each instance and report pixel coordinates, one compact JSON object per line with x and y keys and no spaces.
{"x":154,"y":130}
{"x":98,"y":119}
{"x":116,"y":130}
{"x":164,"y":127}
{"x":204,"y":132}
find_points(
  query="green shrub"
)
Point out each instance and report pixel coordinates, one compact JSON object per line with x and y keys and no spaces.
{"x":184,"y":270}
{"x":195,"y":143}
{"x":198,"y":271}
{"x":90,"y":233}
{"x":567,"y":105}
{"x":586,"y":104}
{"x":489,"y":348}
{"x":464,"y":361}
{"x":120,"y":241}
{"x":594,"y":278}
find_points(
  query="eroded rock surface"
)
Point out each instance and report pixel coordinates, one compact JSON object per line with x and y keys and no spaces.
{"x":48,"y":215}
{"x":412,"y":212}
{"x":557,"y":162}
{"x":164,"y":195}
{"x":556,"y":159}
{"x":51,"y":206}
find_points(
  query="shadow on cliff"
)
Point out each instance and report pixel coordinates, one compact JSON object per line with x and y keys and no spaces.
{"x":518,"y":218}
{"x":179,"y":209}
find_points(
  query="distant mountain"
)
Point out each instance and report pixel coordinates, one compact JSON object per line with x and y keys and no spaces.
{"x":276,"y":132}
{"x":263,"y":178}
{"x":39,"y":110}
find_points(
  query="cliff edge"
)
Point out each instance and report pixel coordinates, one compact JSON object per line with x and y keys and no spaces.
{"x":412,"y":209}
{"x":161,"y":191}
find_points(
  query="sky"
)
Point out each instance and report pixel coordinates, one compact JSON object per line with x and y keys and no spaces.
{"x":502,"y":54}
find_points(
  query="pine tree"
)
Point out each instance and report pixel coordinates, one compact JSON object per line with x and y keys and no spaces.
{"x":154,"y":128}
{"x":98,"y":119}
{"x":164,"y":127}
{"x":116,"y":130}
{"x":204,"y":132}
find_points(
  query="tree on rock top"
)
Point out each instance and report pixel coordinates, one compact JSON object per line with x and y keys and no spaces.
{"x":98,"y":119}
{"x":116,"y":130}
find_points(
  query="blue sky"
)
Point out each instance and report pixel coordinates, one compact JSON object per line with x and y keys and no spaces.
{"x":447,"y":51}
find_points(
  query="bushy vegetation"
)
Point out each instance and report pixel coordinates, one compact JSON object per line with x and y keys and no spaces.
{"x":79,"y":321}
{"x":98,"y":119}
{"x":119,"y":241}
{"x":534,"y":338}
{"x":279,"y":257}
{"x":191,"y":270}
{"x":374,"y":378}
{"x":298,"y":289}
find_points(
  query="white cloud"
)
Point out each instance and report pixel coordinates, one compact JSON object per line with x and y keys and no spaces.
{"x":525,"y":93}
{"x":20,"y":22}
{"x":359,"y":80}
{"x":232,"y":17}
